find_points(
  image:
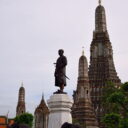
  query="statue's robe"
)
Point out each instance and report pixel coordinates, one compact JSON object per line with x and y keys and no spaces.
{"x":60,"y":71}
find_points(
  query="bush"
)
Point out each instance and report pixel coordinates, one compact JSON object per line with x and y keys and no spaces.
{"x":25,"y":118}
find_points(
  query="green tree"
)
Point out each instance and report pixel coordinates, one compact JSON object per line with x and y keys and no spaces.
{"x":107,"y":92}
{"x":112,"y":120}
{"x":116,"y":100}
{"x":125,"y":87}
{"x":119,"y":99}
{"x":25,"y":118}
{"x":124,"y":123}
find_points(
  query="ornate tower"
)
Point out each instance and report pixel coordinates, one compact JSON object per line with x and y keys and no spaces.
{"x":21,"y":101}
{"x":82,"y":110}
{"x":41,"y":115}
{"x":101,"y":69}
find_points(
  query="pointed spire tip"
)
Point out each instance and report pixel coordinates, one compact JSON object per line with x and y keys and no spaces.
{"x":22,"y":84}
{"x":82,"y":51}
{"x":42,"y":95}
{"x":99,"y":2}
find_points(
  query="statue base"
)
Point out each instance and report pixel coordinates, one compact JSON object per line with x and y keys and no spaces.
{"x":60,"y":110}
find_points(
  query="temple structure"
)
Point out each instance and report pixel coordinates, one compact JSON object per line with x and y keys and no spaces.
{"x":101,"y":69}
{"x":5,"y":122}
{"x":21,"y":101}
{"x":41,"y":115}
{"x":82,"y":110}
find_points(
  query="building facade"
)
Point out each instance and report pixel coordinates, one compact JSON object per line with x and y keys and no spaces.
{"x":5,"y":122}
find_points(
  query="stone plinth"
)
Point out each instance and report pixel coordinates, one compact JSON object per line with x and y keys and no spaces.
{"x":60,"y":110}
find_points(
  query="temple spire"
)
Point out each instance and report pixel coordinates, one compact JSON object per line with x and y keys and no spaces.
{"x":82,"y":109}
{"x":102,"y":68}
{"x":21,"y":101}
{"x":83,"y":66}
{"x":100,"y":19}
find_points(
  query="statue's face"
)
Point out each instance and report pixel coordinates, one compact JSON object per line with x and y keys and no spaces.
{"x":60,"y":52}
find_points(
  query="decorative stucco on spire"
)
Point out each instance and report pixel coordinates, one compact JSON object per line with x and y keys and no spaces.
{"x":21,"y":101}
{"x":83,"y":66}
{"x":100,"y":19}
{"x":82,"y":109}
{"x":102,"y":68}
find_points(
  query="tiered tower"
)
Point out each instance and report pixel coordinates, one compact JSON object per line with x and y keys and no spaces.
{"x":82,"y":110}
{"x":101,"y":69}
{"x":21,"y":101}
{"x":41,"y":115}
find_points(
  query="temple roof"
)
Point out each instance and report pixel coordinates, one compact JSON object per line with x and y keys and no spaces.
{"x":42,"y":107}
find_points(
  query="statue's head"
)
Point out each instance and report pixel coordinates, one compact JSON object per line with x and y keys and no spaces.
{"x":61,"y":52}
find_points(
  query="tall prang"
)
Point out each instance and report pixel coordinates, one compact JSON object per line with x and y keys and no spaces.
{"x":21,"y":101}
{"x":101,"y":69}
{"x":82,"y":110}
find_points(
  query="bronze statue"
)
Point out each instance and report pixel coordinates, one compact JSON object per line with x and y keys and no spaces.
{"x":60,"y":71}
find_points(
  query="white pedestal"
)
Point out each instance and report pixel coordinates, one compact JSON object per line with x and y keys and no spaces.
{"x":60,"y":108}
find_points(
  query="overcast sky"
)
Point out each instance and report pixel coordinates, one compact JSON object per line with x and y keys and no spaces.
{"x":32,"y":31}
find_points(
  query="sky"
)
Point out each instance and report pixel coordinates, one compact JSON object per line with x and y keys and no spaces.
{"x":32,"y":31}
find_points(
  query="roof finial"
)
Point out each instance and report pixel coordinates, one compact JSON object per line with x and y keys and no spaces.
{"x":82,"y":51}
{"x":99,"y":2}
{"x":42,"y":95}
{"x":22,"y":84}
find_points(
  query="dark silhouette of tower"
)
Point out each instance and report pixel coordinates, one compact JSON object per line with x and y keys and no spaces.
{"x":21,"y":101}
{"x":82,"y":110}
{"x":101,"y":69}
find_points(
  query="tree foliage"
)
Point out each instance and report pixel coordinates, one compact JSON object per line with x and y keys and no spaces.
{"x":25,"y":118}
{"x":112,"y":120}
{"x":116,"y":100}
